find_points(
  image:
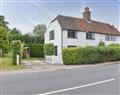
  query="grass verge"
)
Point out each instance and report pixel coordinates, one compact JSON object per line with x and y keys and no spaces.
{"x":6,"y":65}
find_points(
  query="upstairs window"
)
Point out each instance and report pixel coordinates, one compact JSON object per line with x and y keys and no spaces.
{"x":72,"y":34}
{"x":90,"y":35}
{"x":110,"y":38}
{"x":51,"y":35}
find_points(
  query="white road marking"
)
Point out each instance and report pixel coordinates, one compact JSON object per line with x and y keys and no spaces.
{"x":82,"y":86}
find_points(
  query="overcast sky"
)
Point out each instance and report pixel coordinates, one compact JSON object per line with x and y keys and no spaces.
{"x":25,"y":14}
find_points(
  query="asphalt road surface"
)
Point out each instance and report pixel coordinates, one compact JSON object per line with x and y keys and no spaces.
{"x":100,"y":80}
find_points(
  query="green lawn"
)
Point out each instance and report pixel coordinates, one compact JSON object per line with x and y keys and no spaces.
{"x":5,"y":64}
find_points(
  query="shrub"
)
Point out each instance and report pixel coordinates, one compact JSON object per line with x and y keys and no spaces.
{"x":1,"y":50}
{"x":90,"y":55}
{"x":36,"y":50}
{"x":49,"y":49}
{"x":105,"y":53}
{"x":16,"y":50}
{"x":80,"y":55}
{"x":115,"y":53}
{"x":22,"y":49}
{"x":70,"y":56}
{"x":114,"y":45}
{"x":101,"y":43}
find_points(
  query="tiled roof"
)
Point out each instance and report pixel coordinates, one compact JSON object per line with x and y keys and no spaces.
{"x":73,"y":23}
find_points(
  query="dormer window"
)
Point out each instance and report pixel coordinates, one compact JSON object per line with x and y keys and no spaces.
{"x":90,"y":35}
{"x":72,"y":34}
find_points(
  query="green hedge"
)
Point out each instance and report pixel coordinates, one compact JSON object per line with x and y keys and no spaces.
{"x":36,"y":50}
{"x":90,"y":55}
{"x":49,"y":49}
{"x":16,"y":49}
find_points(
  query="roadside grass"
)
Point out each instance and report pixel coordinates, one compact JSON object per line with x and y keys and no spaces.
{"x":6,"y":64}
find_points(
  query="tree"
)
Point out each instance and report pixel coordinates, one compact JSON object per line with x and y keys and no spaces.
{"x":31,"y":39}
{"x":4,"y":39}
{"x":3,"y":34}
{"x":27,"y":38}
{"x":39,"y":31}
{"x":14,"y":34}
{"x":3,"y":23}
{"x":15,"y":31}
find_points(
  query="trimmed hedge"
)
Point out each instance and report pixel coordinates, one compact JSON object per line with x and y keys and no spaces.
{"x":36,"y":50}
{"x":90,"y":55}
{"x":16,"y":49}
{"x":49,"y":49}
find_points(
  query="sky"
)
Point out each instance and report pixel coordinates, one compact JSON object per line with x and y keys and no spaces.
{"x":25,"y":14}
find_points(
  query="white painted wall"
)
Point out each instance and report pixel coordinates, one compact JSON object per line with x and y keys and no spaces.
{"x":57,"y":41}
{"x":82,"y":41}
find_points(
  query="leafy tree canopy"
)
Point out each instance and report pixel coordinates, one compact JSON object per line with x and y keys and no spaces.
{"x":39,"y":31}
{"x":3,"y":23}
{"x":15,"y":31}
{"x":4,"y":38}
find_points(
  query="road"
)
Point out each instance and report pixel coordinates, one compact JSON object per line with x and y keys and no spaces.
{"x":98,"y":80}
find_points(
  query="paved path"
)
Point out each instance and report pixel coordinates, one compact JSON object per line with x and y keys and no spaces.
{"x":98,"y":80}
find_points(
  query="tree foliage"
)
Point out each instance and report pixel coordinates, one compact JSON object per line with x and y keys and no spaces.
{"x":3,"y":23}
{"x":14,"y":34}
{"x":39,"y":31}
{"x":4,"y":39}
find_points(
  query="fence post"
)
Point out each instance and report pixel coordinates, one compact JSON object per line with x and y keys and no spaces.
{"x":18,"y":59}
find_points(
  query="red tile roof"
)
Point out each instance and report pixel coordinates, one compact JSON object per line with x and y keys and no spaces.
{"x":73,"y":23}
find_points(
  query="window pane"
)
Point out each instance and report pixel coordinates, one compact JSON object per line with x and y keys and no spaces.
{"x":90,"y":36}
{"x":51,"y":35}
{"x":107,"y":37}
{"x":72,"y":34}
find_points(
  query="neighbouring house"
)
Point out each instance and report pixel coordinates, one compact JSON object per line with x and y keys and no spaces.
{"x":65,"y":31}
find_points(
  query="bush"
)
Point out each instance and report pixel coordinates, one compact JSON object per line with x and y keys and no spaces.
{"x":49,"y":49}
{"x":115,"y":53}
{"x":90,"y":55}
{"x":80,"y":55}
{"x":16,"y":50}
{"x":70,"y":56}
{"x":114,"y":45}
{"x":36,"y":50}
{"x":101,"y":43}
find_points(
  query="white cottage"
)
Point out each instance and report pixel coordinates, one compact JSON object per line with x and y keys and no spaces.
{"x":65,"y":31}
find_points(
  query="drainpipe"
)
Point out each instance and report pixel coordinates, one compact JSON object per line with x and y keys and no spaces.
{"x":61,"y":42}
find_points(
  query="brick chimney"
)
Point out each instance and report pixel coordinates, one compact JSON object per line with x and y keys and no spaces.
{"x":87,"y":14}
